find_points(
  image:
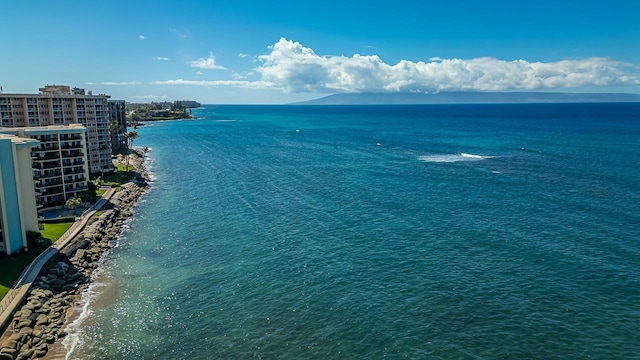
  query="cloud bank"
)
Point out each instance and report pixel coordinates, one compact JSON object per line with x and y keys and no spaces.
{"x":294,"y":68}
{"x":234,"y":83}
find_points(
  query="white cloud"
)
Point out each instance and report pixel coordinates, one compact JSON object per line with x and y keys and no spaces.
{"x":233,"y":83}
{"x":114,"y":83}
{"x":199,"y":72}
{"x":159,"y":58}
{"x":291,"y":67}
{"x":208,"y":63}
{"x":141,"y":37}
{"x":150,"y":97}
{"x":243,"y":55}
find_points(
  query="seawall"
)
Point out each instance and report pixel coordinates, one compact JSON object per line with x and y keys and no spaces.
{"x":36,"y":329}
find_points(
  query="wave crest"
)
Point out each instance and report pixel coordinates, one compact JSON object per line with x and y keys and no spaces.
{"x":449,"y":158}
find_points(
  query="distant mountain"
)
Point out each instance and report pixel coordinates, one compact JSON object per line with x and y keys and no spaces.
{"x":470,"y":98}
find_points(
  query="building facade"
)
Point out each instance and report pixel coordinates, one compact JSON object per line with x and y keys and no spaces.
{"x":18,"y":212}
{"x":62,"y":105}
{"x":59,"y":162}
{"x":118,"y":124}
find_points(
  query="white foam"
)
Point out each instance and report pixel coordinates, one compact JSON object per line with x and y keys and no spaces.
{"x":449,"y":158}
{"x":74,"y":329}
{"x":472,"y":156}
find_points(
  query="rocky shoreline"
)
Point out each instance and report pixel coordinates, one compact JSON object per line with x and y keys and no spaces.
{"x":39,"y":324}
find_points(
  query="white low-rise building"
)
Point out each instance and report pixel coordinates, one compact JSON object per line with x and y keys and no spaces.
{"x":60,"y":169}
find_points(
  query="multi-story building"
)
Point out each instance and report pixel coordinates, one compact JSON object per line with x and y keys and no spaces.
{"x":118,"y":124}
{"x":18,"y":212}
{"x":59,"y":162}
{"x":62,"y":105}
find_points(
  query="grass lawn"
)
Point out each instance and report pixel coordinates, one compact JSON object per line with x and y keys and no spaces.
{"x":54,"y":231}
{"x":119,"y":177}
{"x":11,"y":266}
{"x":100,"y":192}
{"x":121,"y":168}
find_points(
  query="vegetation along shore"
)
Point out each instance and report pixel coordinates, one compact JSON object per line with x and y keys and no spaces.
{"x":156,"y":111}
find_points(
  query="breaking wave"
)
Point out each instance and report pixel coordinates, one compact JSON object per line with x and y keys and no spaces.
{"x":449,"y":158}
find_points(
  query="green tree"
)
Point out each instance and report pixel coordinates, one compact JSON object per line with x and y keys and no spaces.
{"x":73,"y":203}
{"x":90,"y":195}
{"x":131,"y":137}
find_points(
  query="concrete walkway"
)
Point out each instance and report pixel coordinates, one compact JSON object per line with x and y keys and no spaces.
{"x":18,"y":292}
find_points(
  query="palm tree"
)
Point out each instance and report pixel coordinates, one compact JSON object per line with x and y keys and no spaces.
{"x":131,"y":136}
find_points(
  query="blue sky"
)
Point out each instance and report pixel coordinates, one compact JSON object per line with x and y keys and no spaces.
{"x":283,"y":51}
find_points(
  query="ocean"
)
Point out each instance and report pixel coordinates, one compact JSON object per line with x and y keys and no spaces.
{"x":371,"y":232}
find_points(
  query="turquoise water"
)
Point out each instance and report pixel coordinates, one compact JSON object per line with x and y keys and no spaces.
{"x":435,"y":232}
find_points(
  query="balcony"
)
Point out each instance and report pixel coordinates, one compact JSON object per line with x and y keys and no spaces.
{"x":52,"y":191}
{"x":68,"y":137}
{"x":72,"y":171}
{"x":49,"y":183}
{"x":46,"y":138}
{"x":73,"y":145}
{"x":47,"y":174}
{"x":42,"y":156}
{"x":72,"y":154}
{"x":47,"y":147}
{"x":77,"y":179}
{"x":46,"y":165}
{"x":66,"y":163}
{"x":70,"y":188}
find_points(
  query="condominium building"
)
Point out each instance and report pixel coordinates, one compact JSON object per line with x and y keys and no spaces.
{"x":118,"y":123}
{"x":17,"y":201}
{"x":59,"y":162}
{"x":62,"y":105}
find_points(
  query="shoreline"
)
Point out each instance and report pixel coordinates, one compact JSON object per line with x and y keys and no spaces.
{"x":55,"y":298}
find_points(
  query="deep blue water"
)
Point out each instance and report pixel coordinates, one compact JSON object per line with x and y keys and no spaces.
{"x":369,"y":232}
